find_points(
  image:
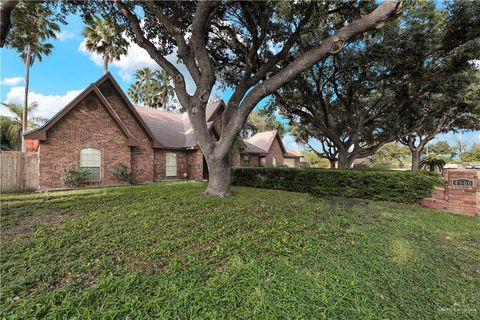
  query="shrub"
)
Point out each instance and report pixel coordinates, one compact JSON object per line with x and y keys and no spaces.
{"x":400,"y":186}
{"x":75,"y":178}
{"x":122,"y":173}
{"x":432,"y":164}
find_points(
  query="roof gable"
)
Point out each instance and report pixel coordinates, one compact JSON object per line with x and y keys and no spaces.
{"x":41,"y":133}
{"x":263,"y":141}
{"x":108,"y":77}
{"x":213,"y":108}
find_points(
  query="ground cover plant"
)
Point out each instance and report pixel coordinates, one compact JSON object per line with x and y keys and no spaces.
{"x":167,"y":251}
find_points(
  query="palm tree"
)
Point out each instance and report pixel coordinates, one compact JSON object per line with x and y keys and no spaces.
{"x":104,"y":36}
{"x":136,"y":92}
{"x":153,"y":88}
{"x":166,"y":89}
{"x":432,"y":164}
{"x":33,"y":26}
{"x":12,"y":127}
{"x":9,"y":134}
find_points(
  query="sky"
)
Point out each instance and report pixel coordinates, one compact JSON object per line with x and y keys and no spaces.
{"x":70,"y":68}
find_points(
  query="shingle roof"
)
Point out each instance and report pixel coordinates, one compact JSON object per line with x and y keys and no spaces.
{"x":292,"y":154}
{"x":173,"y":130}
{"x":262,"y":140}
{"x":251,"y":148}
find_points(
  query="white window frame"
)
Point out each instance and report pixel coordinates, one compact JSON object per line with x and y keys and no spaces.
{"x":274,"y":161}
{"x":246,"y":157}
{"x":171,"y":164}
{"x":91,"y":158}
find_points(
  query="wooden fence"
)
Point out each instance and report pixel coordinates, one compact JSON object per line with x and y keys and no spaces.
{"x":18,"y":171}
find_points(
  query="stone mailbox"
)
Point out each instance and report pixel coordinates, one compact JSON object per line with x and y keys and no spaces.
{"x":461,"y":193}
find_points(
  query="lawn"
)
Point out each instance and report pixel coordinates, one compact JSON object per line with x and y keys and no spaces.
{"x":166,"y":251}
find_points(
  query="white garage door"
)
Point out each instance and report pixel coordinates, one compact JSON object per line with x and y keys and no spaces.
{"x":289,"y":162}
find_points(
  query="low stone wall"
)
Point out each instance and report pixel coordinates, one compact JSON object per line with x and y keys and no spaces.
{"x":461,"y":193}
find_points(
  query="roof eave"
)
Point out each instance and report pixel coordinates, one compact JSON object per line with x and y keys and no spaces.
{"x":108,"y":75}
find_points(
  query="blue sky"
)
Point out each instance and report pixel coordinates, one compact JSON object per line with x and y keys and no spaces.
{"x":62,"y":75}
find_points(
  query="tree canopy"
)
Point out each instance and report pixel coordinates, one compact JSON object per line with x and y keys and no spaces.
{"x":411,"y":75}
{"x":153,"y":89}
{"x":104,"y":36}
{"x":236,"y":43}
{"x":262,"y":120}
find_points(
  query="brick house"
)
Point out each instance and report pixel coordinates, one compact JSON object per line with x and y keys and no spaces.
{"x":101,"y":128}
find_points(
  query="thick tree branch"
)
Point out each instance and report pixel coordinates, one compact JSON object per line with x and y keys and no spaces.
{"x":184,"y":51}
{"x":142,"y":41}
{"x":6,"y":8}
{"x":330,"y":45}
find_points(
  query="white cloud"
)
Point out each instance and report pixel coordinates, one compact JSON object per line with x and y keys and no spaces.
{"x":48,"y":105}
{"x":64,"y":35}
{"x":14,"y":81}
{"x":137,"y":58}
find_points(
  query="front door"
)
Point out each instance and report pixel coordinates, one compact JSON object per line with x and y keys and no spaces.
{"x":262,"y":161}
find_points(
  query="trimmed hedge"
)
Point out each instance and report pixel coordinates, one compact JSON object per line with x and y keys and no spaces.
{"x":399,"y":186}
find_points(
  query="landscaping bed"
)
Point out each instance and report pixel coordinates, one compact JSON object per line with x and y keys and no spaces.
{"x":167,"y":251}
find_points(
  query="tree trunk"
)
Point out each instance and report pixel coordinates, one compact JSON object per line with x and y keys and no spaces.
{"x":219,"y":176}
{"x":415,"y":158}
{"x":25,"y":104}
{"x":332,"y":163}
{"x":344,"y":161}
{"x":6,"y":8}
{"x":105,"y":63}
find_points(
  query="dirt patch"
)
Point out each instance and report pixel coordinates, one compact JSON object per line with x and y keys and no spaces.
{"x":28,"y":224}
{"x":346,"y":202}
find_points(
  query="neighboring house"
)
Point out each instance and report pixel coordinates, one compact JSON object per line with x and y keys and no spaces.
{"x":101,"y":128}
{"x":270,"y":151}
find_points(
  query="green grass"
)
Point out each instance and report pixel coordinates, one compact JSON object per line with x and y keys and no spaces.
{"x":166,"y":251}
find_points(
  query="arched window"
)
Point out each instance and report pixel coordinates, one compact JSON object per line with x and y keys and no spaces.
{"x":90,"y":160}
{"x":274,"y":161}
{"x":171,"y":164}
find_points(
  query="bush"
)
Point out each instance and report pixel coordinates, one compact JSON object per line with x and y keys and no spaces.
{"x":400,"y":186}
{"x":75,"y":178}
{"x":122,"y":173}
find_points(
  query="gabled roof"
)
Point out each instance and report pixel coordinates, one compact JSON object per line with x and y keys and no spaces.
{"x":174,"y":130}
{"x":165,"y":129}
{"x":292,"y":154}
{"x":253,"y":149}
{"x":41,"y":133}
{"x":108,"y":76}
{"x":212,"y":108}
{"x":263,"y":141}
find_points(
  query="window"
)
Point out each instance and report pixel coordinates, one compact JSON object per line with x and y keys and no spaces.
{"x":90,"y":160}
{"x":274,"y":161}
{"x":171,"y":164}
{"x":246,"y":157}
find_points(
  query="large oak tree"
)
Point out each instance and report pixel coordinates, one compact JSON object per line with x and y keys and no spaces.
{"x":241,"y":44}
{"x":410,"y":76}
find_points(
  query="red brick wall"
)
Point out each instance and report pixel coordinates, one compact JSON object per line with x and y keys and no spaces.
{"x":251,"y":162}
{"x":142,"y":157}
{"x":190,"y":162}
{"x":85,"y":126}
{"x":461,"y":198}
{"x":457,"y":199}
{"x":275,"y":151}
